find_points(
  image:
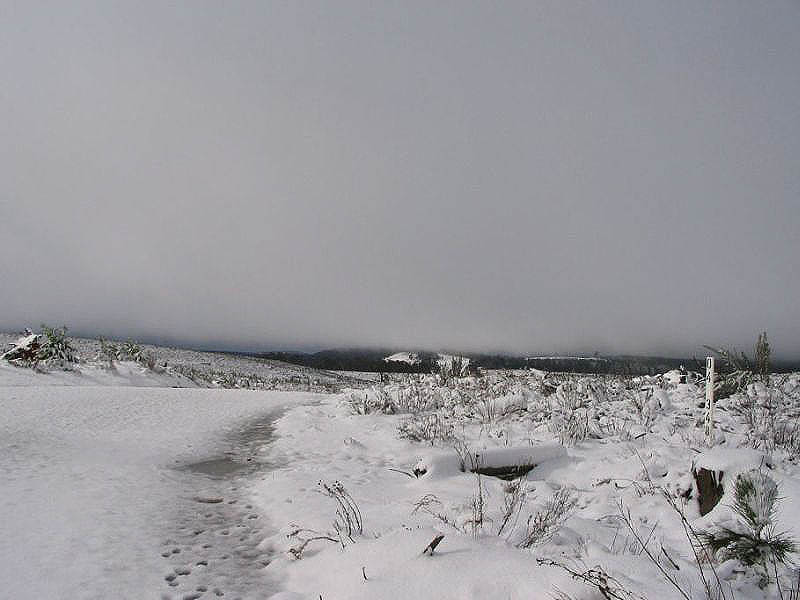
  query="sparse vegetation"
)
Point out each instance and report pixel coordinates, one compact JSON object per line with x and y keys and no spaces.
{"x":347,"y":523}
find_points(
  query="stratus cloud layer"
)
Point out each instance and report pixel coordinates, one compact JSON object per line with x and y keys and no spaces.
{"x":531,"y":177}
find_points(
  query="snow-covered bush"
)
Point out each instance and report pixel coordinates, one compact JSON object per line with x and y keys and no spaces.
{"x":371,"y":401}
{"x":108,"y":352}
{"x":451,"y":367}
{"x":739,"y":370}
{"x":755,"y":541}
{"x":55,"y":347}
{"x":541,"y":526}
{"x":430,"y":427}
{"x":132,"y":350}
{"x":770,"y":418}
{"x":570,"y":417}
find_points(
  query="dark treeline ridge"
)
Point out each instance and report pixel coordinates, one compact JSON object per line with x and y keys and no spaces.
{"x":372,"y":360}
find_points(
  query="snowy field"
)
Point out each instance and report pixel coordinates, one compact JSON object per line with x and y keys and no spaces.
{"x":602,"y":452}
{"x":217,"y":369}
{"x":135,"y":484}
{"x":95,"y":489}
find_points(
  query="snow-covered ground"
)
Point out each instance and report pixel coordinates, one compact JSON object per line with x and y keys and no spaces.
{"x":633,"y":454}
{"x":115,"y":484}
{"x":218,"y":369}
{"x":93,"y":492}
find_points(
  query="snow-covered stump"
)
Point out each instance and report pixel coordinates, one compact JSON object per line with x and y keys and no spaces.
{"x":25,"y":348}
{"x":713,"y":469}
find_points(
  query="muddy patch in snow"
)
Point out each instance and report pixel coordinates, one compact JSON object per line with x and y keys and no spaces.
{"x":215,"y":548}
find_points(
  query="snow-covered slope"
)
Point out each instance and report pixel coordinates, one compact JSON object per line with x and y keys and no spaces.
{"x":206,"y":369}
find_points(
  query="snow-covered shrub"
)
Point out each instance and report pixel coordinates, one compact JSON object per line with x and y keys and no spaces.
{"x":755,"y":541}
{"x":615,"y":427}
{"x":451,"y":367}
{"x":429,"y":427}
{"x":770,"y":418}
{"x":108,"y":352}
{"x":132,"y":350}
{"x":761,"y":353}
{"x":371,"y":401}
{"x":541,"y":527}
{"x":228,"y":379}
{"x":55,"y":347}
{"x":149,"y":361}
{"x":570,"y":416}
{"x":739,"y":370}
{"x":492,"y":409}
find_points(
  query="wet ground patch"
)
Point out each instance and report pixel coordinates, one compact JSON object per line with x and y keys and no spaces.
{"x":215,"y":548}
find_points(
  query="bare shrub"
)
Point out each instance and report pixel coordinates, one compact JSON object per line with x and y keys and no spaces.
{"x":471,"y":525}
{"x":431,"y":505}
{"x":761,"y":353}
{"x":467,"y":460}
{"x":304,"y":537}
{"x":348,"y":519}
{"x":596,"y":577}
{"x":478,"y":505}
{"x":515,"y":494}
{"x":541,"y":527}
{"x":347,"y":522}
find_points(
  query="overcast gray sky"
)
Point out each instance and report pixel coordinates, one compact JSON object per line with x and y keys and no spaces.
{"x":519,"y":176}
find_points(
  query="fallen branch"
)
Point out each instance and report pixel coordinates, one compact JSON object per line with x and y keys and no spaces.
{"x":432,"y":546}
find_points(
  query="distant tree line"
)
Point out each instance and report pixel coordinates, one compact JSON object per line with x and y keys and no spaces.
{"x":372,"y":360}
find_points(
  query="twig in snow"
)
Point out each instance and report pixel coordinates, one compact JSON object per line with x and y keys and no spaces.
{"x":432,"y":546}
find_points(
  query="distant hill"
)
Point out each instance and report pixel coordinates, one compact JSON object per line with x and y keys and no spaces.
{"x":348,"y":359}
{"x":375,"y":360}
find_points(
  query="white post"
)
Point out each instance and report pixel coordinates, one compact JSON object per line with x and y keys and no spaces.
{"x":710,"y":400}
